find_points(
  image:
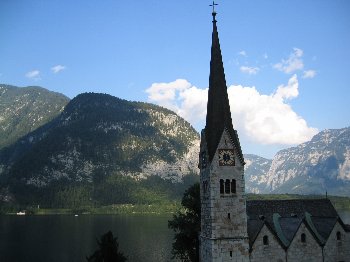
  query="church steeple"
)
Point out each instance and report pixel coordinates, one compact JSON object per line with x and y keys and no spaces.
{"x":224,"y":234}
{"x":218,"y":107}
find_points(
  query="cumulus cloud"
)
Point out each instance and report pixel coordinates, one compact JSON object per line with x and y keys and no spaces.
{"x":180,"y":96}
{"x":58,"y":68}
{"x":242,"y":53}
{"x":293,"y":63}
{"x":309,"y":74}
{"x":291,"y":90}
{"x":268,"y":119}
{"x":264,"y":119}
{"x":35,"y":74}
{"x":249,"y":70}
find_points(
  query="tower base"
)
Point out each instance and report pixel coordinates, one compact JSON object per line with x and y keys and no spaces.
{"x":226,"y":249}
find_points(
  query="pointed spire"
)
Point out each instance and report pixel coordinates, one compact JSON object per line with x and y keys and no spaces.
{"x":218,"y":108}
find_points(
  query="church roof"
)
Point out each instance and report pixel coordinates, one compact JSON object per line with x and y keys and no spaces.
{"x":284,"y":217}
{"x":218,"y":107}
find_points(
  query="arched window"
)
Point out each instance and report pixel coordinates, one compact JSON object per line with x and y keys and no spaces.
{"x":303,"y":238}
{"x":265,"y":240}
{"x":222,"y":188}
{"x":227,"y":186}
{"x":233,"y":186}
{"x":338,"y":235}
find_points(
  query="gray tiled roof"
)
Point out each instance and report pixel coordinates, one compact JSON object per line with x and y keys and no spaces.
{"x":284,"y":217}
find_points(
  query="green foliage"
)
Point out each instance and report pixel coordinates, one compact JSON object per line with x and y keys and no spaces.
{"x":24,"y":109}
{"x":108,"y":250}
{"x":79,"y":159}
{"x":186,"y":225}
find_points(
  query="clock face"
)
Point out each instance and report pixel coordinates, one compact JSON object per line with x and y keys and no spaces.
{"x":226,"y":157}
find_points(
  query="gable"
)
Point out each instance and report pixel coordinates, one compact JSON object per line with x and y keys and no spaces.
{"x":285,"y":217}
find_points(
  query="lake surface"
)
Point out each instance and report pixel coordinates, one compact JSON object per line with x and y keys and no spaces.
{"x":67,"y":238}
{"x":64,"y":238}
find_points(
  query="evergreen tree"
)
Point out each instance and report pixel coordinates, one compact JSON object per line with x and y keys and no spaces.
{"x":108,"y":250}
{"x":187,"y":226}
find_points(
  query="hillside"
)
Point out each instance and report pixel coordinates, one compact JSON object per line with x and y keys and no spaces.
{"x":24,"y":109}
{"x":98,"y":144}
{"x":314,"y":167}
{"x":256,"y":169}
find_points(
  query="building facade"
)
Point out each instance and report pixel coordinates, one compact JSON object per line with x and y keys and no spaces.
{"x":233,"y":229}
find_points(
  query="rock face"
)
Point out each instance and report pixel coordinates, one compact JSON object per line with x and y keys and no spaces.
{"x":97,"y":135}
{"x":23,"y":110}
{"x":314,"y":167}
{"x":256,"y":170}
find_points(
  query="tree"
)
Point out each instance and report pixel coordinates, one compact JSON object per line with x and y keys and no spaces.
{"x":108,"y":250}
{"x":186,"y":225}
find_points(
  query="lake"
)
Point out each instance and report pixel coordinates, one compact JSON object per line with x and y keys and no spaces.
{"x":67,"y":238}
{"x":64,"y":238}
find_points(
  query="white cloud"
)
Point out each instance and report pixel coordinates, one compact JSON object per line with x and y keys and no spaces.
{"x":180,"y":96}
{"x":249,"y":70}
{"x":242,"y":53}
{"x":265,"y":56}
{"x":309,"y":74}
{"x":35,"y":74}
{"x":264,"y":119}
{"x":293,"y":63}
{"x":58,"y":68}
{"x":290,"y":91}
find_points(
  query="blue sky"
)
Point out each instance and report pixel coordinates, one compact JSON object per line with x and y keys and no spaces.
{"x":287,"y":63}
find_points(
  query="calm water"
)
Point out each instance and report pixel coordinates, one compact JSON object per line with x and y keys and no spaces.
{"x":68,"y":238}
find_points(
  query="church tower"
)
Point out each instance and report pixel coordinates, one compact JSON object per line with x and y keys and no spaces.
{"x":223,"y":203}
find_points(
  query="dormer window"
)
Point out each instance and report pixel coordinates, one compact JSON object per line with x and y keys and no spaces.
{"x":261,"y":217}
{"x":303,"y":238}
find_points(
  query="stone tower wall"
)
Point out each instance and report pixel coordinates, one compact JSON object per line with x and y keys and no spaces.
{"x":224,"y":220}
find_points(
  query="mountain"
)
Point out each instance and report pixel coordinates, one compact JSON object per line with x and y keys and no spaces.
{"x":98,"y":144}
{"x":314,"y":167}
{"x":24,"y":109}
{"x":256,"y":169}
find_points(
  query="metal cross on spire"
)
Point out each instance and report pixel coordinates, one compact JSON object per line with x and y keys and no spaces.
{"x":213,"y":5}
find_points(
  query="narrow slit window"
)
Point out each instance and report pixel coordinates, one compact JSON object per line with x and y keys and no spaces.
{"x":228,"y":215}
{"x":222,"y":187}
{"x":303,"y":238}
{"x":338,"y":235}
{"x":265,"y":240}
{"x":233,"y":186}
{"x":230,"y":253}
{"x":227,"y":186}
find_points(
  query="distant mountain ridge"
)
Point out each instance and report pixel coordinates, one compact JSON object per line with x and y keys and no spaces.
{"x":256,"y":168}
{"x":314,"y":167}
{"x":24,"y":109}
{"x":98,"y":136}
{"x":98,"y":143}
